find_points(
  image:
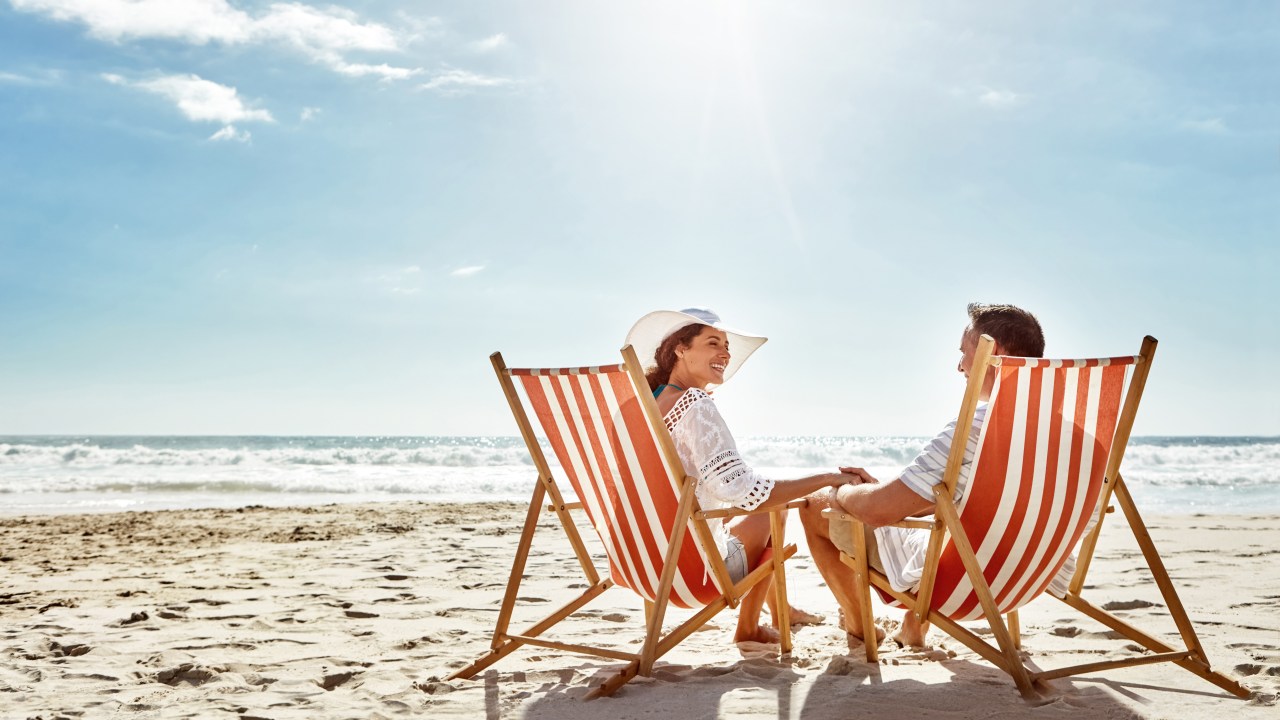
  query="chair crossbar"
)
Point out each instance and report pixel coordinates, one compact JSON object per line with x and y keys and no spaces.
{"x":1010,"y":361}
{"x":574,"y":648}
{"x":554,"y":372}
{"x":1085,"y":668}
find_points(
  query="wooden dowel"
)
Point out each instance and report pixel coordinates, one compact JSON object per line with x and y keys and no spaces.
{"x":1109,"y":665}
{"x":570,"y":647}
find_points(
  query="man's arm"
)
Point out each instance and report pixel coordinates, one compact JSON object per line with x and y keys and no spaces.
{"x":879,"y":504}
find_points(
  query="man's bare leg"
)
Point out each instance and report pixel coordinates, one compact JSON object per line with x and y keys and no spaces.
{"x":826,"y":556}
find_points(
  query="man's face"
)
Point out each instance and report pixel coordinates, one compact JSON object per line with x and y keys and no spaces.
{"x":968,"y":346}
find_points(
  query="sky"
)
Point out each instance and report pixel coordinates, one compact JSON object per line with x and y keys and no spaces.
{"x":231,"y":217}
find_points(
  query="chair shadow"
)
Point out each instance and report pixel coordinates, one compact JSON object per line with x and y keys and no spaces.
{"x":674,"y":690}
{"x":849,"y":687}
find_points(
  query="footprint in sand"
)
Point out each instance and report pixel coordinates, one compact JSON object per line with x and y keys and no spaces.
{"x":1128,"y":605}
{"x":137,"y":617}
{"x":1247,"y":669}
{"x":187,"y":674}
{"x":336,"y":680}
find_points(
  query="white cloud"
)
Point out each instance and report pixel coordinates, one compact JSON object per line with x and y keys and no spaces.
{"x":384,"y":71}
{"x":1209,"y":126}
{"x":44,"y":77}
{"x":401,"y":281}
{"x":491,"y":43}
{"x":324,"y":35}
{"x":453,"y":81}
{"x":231,"y":133}
{"x":310,"y":113}
{"x":999,"y":98}
{"x":467,"y":271}
{"x":199,"y":99}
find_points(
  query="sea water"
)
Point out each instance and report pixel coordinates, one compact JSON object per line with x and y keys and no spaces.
{"x":63,"y":474}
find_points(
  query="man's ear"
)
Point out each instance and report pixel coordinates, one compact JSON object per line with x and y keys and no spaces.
{"x":998,"y":349}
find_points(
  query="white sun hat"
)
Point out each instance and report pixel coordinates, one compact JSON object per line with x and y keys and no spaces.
{"x":649,"y":332}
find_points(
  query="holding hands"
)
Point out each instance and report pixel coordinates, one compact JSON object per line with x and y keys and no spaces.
{"x":858,"y":476}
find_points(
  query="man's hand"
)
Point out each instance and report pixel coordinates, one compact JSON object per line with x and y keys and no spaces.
{"x":860,"y":476}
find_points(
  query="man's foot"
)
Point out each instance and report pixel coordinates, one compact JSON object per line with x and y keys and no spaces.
{"x":855,"y":632}
{"x":761,"y":634}
{"x":858,"y":636}
{"x":804,"y":617}
{"x":909,"y":633}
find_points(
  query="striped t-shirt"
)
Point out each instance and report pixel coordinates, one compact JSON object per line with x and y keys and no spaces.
{"x":902,"y":550}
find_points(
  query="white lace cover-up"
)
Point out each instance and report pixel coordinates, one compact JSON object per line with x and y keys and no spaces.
{"x":708,"y":452}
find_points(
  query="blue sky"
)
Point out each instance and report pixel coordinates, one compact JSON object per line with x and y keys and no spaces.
{"x":233,"y":217}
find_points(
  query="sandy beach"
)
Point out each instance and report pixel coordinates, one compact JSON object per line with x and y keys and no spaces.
{"x":360,"y":611}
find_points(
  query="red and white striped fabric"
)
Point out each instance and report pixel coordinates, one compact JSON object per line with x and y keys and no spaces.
{"x":1042,"y":454}
{"x":599,"y":432}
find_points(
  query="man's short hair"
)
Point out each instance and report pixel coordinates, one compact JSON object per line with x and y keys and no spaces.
{"x":1016,"y":330}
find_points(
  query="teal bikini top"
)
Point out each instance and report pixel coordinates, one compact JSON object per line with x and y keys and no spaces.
{"x":662,"y":387}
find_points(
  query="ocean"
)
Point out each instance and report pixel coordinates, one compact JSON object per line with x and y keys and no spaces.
{"x":71,"y":474}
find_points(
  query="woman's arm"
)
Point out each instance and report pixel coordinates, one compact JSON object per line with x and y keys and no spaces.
{"x":784,"y":491}
{"x":705,"y":443}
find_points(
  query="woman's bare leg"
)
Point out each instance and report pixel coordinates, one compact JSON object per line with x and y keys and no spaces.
{"x":753,"y":532}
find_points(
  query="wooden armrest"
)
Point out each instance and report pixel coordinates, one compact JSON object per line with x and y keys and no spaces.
{"x":833,"y":514}
{"x":738,"y":512}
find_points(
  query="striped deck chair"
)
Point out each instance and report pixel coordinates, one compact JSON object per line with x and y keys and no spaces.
{"x":605,"y":430}
{"x":1045,"y":472}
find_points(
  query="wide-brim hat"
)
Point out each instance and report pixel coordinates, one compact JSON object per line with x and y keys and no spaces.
{"x":649,"y":332}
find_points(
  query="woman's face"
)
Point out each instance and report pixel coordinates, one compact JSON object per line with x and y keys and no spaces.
{"x":705,"y":359}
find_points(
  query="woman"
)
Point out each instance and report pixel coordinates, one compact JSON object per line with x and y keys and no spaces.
{"x":690,"y":352}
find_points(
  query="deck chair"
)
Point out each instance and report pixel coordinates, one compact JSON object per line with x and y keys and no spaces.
{"x":1046,"y":470}
{"x":604,"y":428}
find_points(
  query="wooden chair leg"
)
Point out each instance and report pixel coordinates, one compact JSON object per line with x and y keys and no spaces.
{"x":780,"y":582}
{"x":862,"y":591}
{"x":1015,"y":628}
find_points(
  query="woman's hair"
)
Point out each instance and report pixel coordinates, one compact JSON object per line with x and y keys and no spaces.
{"x":665,"y":356}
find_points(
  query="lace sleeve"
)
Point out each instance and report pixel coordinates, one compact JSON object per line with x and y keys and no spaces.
{"x":707,"y":448}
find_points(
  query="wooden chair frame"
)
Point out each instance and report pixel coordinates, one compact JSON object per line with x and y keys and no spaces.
{"x":654,"y":644}
{"x":848,"y":534}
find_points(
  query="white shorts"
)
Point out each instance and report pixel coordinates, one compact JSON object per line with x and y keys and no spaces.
{"x":735,"y":559}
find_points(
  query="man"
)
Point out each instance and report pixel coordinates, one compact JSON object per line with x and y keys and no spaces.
{"x":899,"y":552}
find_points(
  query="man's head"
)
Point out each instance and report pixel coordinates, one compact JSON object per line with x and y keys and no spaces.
{"x":1016,"y":332}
